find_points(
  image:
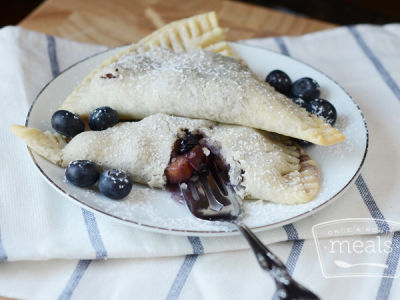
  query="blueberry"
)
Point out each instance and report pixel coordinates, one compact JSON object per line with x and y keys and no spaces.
{"x":322,"y":109}
{"x":306,"y":89}
{"x":280,"y":81}
{"x":67,"y":123}
{"x":300,"y":102}
{"x":102,"y":118}
{"x":188,"y":142}
{"x":82,"y":173}
{"x":115,"y":184}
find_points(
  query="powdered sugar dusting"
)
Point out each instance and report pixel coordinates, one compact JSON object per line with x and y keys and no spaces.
{"x":146,"y":202}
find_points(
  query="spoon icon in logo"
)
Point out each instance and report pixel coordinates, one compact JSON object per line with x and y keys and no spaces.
{"x":346,"y":265}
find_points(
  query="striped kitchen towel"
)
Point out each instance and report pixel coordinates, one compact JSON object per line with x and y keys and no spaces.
{"x":225,"y":275}
{"x":37,"y":224}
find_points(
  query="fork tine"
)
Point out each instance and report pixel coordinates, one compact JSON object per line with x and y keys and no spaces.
{"x":187,"y":195}
{"x":233,"y":197}
{"x":214,"y":204}
{"x":193,"y":191}
{"x":218,"y":180}
{"x":192,"y":202}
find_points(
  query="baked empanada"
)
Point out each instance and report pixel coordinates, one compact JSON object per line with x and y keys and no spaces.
{"x":260,"y":165}
{"x":196,"y":84}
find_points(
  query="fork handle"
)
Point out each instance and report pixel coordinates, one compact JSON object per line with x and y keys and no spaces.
{"x":287,"y":287}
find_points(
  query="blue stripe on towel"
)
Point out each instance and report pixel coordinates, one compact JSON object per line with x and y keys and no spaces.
{"x":197,"y":246}
{"x":360,"y":183}
{"x":393,"y":257}
{"x":3,"y":254}
{"x":73,"y":281}
{"x":282,"y":46}
{"x":369,"y":201}
{"x":296,"y":247}
{"x":294,"y":255}
{"x":291,"y":231}
{"x":51,"y":50}
{"x":94,"y":234}
{"x":295,"y":251}
{"x":392,"y":262}
{"x":90,"y":220}
{"x":375,"y":61}
{"x":383,"y":226}
{"x":101,"y":252}
{"x":186,"y":268}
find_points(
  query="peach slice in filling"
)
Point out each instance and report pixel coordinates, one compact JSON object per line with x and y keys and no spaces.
{"x":189,"y":158}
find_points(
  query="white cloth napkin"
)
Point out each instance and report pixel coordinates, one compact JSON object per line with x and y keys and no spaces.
{"x":37,"y":224}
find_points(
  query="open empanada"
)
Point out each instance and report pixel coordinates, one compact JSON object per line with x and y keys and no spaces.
{"x":259,"y":164}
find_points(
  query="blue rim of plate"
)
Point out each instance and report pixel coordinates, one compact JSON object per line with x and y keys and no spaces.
{"x":203,"y":232}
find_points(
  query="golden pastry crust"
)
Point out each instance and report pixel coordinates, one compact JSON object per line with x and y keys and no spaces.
{"x":46,"y":144}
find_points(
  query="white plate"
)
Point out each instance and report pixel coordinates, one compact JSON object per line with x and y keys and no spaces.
{"x":156,"y":210}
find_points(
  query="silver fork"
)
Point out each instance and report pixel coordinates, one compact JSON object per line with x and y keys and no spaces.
{"x":210,"y":198}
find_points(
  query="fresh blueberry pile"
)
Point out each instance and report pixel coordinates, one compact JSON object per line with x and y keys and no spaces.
{"x":304,"y":92}
{"x":114,"y":184}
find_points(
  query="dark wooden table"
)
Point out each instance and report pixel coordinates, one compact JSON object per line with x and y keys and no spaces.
{"x":116,"y":22}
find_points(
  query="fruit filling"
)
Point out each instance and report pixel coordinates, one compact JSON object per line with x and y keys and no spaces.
{"x":188,"y":158}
